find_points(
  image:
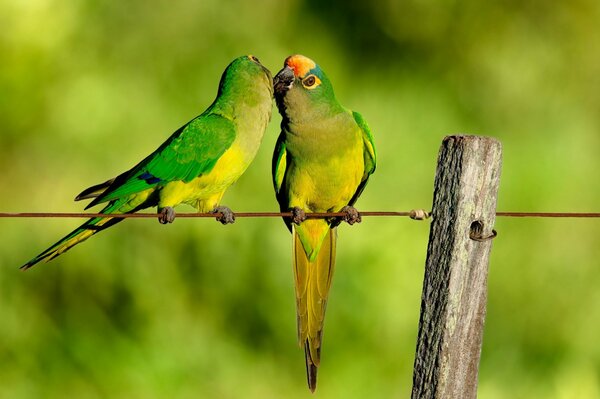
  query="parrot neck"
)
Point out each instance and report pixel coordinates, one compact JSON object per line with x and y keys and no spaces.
{"x":320,"y":137}
{"x":250,"y":112}
{"x":301,"y":112}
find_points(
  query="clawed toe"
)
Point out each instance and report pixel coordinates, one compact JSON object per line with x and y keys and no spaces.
{"x":298,"y":215}
{"x":226,"y":215}
{"x":166,"y":215}
{"x":351,"y":215}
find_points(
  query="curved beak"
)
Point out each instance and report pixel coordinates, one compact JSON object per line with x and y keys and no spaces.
{"x":284,"y":80}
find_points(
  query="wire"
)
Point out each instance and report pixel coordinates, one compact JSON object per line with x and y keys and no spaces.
{"x":190,"y":215}
{"x":414,"y":214}
{"x":549,"y":214}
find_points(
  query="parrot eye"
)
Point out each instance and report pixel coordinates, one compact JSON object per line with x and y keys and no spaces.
{"x":311,"y":81}
{"x":253,"y":58}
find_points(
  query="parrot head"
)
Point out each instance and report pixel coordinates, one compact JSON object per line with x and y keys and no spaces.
{"x":301,"y":84}
{"x":246,"y":75}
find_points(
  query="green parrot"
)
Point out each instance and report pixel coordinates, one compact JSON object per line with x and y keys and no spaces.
{"x":195,"y":165}
{"x":322,"y":161}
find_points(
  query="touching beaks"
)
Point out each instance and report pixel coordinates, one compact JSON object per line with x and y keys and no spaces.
{"x":284,"y":80}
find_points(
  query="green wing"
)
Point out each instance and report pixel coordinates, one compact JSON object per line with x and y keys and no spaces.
{"x":369,"y":154}
{"x":279,"y":168}
{"x":279,"y":164}
{"x":191,"y":151}
{"x":369,"y":151}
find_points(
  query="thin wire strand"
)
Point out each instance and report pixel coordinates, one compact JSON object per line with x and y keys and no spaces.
{"x":280,"y":214}
{"x":550,"y":214}
{"x":188,"y":215}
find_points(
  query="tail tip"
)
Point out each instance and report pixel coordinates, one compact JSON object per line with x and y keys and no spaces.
{"x":311,"y":374}
{"x":29,"y":265}
{"x":45,"y":257}
{"x":311,"y":371}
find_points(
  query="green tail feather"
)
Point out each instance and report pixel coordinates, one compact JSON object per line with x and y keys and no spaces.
{"x":80,"y":234}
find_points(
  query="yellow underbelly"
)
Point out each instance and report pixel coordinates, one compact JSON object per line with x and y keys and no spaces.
{"x":326,"y":188}
{"x":205,"y":192}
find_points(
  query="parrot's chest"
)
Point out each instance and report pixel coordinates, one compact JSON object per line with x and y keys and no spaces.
{"x":326,"y":181}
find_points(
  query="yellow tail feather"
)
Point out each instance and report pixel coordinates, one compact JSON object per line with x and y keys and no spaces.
{"x":313,"y":281}
{"x":80,"y":234}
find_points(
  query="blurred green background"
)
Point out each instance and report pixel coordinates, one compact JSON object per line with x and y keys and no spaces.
{"x":88,"y":88}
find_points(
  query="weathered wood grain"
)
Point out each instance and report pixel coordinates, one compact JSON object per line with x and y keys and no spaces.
{"x":454,"y":295}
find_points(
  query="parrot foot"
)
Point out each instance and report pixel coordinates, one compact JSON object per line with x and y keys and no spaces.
{"x":351,"y":215}
{"x":166,"y":215}
{"x":226,"y":215}
{"x":298,"y":215}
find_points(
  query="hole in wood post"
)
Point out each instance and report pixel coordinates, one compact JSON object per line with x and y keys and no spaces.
{"x":476,"y":232}
{"x":476,"y":229}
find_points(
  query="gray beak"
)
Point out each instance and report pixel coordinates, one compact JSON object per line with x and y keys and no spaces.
{"x":283,"y":80}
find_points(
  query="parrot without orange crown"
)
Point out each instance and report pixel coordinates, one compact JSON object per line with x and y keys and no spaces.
{"x":195,"y":165}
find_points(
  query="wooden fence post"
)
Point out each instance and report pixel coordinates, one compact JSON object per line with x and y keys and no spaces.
{"x":455,"y":285}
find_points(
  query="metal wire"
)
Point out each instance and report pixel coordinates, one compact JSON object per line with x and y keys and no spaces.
{"x":413,"y":214}
{"x":188,"y":215}
{"x":550,"y":214}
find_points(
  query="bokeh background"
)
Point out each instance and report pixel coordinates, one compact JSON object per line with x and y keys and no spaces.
{"x":197,"y":310}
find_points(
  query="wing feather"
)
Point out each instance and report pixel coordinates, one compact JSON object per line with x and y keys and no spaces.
{"x":369,"y":155}
{"x":191,"y":151}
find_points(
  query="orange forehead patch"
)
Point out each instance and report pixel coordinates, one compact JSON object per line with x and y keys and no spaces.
{"x":300,"y":64}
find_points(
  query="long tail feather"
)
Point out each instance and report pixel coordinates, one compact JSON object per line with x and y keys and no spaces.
{"x":313,"y":281}
{"x":80,"y":234}
{"x":94,"y":191}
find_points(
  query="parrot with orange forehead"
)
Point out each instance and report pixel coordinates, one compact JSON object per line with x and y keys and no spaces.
{"x":322,"y":162}
{"x":195,"y":165}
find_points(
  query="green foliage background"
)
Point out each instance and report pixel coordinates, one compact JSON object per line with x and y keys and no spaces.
{"x":88,"y":88}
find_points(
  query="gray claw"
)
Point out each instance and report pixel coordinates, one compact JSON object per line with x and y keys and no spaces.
{"x":298,"y":215}
{"x":226,"y":215}
{"x":351,"y":215}
{"x":166,"y":215}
